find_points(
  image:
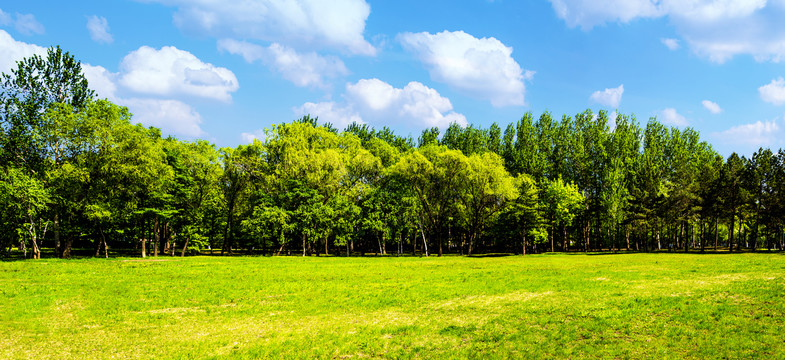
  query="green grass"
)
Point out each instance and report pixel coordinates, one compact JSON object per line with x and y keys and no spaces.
{"x":634,"y":306}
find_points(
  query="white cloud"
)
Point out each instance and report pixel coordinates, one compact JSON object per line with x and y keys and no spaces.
{"x":171,"y":116}
{"x":713,"y":107}
{"x":717,"y":30}
{"x":590,"y":13}
{"x":710,"y":11}
{"x":255,"y":135}
{"x":379,"y":103}
{"x":12,"y":51}
{"x":250,"y":52}
{"x":337,"y":24}
{"x":99,"y":29}
{"x":774,"y":92}
{"x":28,"y":25}
{"x":5,"y":19}
{"x":672,"y":44}
{"x":305,"y":70}
{"x":171,"y":71}
{"x":671,"y":117}
{"x":609,"y":97}
{"x":757,"y":134}
{"x":102,"y":81}
{"x":482,"y":68}
{"x":340,"y":115}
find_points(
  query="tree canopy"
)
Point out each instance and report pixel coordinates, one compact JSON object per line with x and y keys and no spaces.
{"x":77,"y":173}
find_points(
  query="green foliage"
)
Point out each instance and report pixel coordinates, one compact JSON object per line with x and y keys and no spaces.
{"x":589,"y":181}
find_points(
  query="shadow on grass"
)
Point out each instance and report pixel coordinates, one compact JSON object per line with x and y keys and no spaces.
{"x":494,"y":255}
{"x":87,"y":253}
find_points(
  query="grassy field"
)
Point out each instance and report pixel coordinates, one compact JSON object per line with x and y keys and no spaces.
{"x":546,"y":306}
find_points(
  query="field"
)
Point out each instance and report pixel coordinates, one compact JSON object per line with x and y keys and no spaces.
{"x":544,"y":306}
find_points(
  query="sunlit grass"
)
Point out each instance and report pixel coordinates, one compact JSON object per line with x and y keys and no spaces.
{"x":546,"y":306}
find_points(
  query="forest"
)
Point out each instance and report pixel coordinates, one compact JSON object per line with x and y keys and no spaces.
{"x":77,"y":173}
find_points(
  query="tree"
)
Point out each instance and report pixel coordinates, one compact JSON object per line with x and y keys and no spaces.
{"x":25,"y":197}
{"x":562,"y":203}
{"x":435,"y":175}
{"x":487,"y":189}
{"x":733,"y":193}
{"x":522,"y":217}
{"x":29,"y":91}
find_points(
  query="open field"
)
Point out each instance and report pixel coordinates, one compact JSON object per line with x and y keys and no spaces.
{"x":544,"y":306}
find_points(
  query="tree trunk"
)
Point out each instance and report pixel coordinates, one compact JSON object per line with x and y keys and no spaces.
{"x":187,"y":240}
{"x":551,"y":233}
{"x":627,"y":236}
{"x":684,"y":238}
{"x":730,"y":237}
{"x":172,"y":244}
{"x":100,"y":243}
{"x":524,"y":244}
{"x":144,"y":247}
{"x":424,"y":242}
{"x":156,"y":236}
{"x":716,"y":232}
{"x":56,"y":229}
{"x":659,"y":244}
{"x":33,"y":240}
{"x":441,"y":250}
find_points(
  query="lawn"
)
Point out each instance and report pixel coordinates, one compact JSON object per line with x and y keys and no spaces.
{"x":543,"y":306}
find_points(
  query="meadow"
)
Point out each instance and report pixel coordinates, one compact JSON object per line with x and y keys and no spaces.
{"x":538,"y":306}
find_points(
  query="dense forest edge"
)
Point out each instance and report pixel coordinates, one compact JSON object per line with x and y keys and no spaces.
{"x":77,"y":173}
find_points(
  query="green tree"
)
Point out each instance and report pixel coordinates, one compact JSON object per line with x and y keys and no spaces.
{"x":562,"y":203}
{"x":488,"y":187}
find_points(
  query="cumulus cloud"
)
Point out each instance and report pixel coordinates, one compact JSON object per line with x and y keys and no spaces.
{"x":171,"y":71}
{"x":337,"y":24}
{"x":28,"y":25}
{"x":610,"y":97}
{"x":671,"y":117}
{"x":757,"y":134}
{"x":302,"y":69}
{"x":99,"y":29}
{"x":12,"y":51}
{"x":672,"y":44}
{"x":717,"y":30}
{"x":250,"y":52}
{"x":339,"y":115}
{"x":377,"y":102}
{"x":171,"y":116}
{"x":773,"y":92}
{"x":102,"y":81}
{"x":482,"y":68}
{"x":588,"y":13}
{"x":713,"y":107}
{"x":254,"y":135}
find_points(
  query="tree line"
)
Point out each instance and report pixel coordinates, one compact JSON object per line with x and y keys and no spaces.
{"x":77,"y":173}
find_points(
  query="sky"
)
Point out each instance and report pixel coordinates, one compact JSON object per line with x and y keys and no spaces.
{"x":225,"y":71}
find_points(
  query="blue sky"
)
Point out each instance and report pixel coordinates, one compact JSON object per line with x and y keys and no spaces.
{"x":224,"y":71}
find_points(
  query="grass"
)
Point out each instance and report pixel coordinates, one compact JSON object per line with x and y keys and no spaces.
{"x":545,"y":306}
